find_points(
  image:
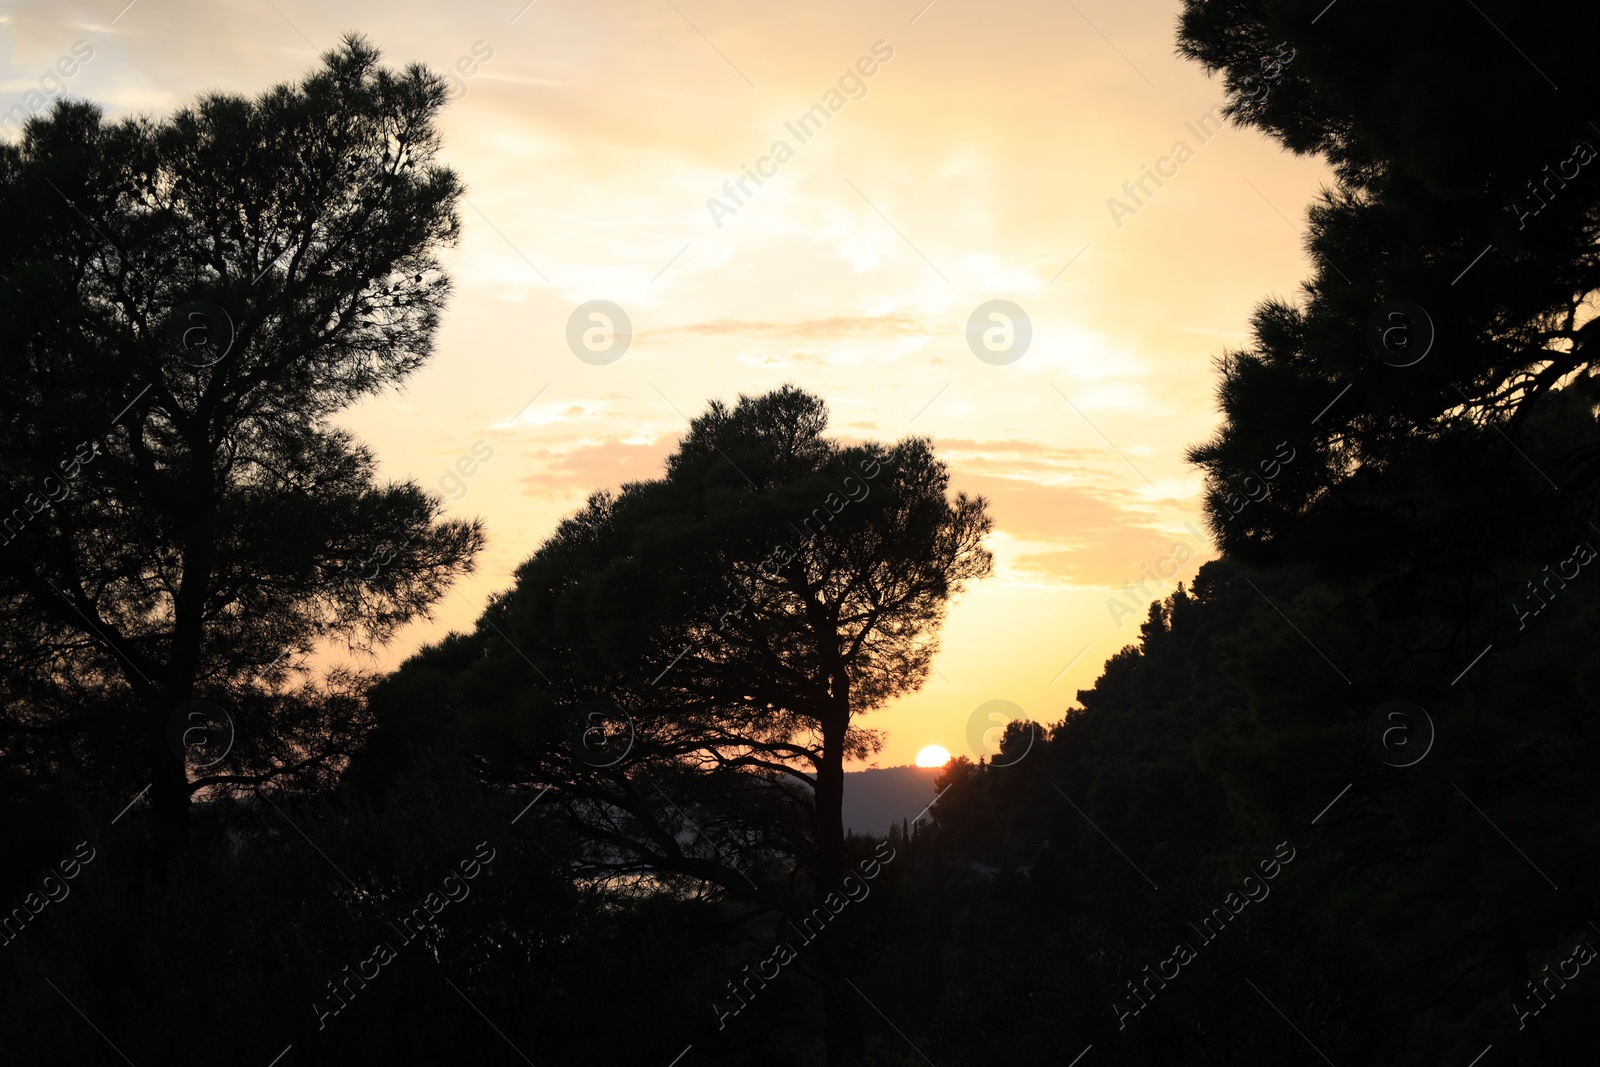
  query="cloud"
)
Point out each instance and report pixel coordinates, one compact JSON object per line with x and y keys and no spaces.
{"x":1029,"y":461}
{"x":1029,"y":511}
{"x":1109,"y":561}
{"x":1077,"y":535}
{"x":599,"y":465}
{"x":794,"y":357}
{"x":829,"y":329}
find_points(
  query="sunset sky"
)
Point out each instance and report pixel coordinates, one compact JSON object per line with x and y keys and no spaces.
{"x":973,"y":164}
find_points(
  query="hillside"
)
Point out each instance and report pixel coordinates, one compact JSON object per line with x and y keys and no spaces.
{"x":880,"y":796}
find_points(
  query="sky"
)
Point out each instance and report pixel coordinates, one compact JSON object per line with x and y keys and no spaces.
{"x":957,"y":154}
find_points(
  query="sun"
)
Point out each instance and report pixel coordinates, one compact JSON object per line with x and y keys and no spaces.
{"x":933,"y":756}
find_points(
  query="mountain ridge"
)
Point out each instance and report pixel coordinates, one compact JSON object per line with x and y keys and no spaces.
{"x":877,"y":797}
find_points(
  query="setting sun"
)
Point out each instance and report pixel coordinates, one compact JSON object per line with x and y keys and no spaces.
{"x":618,"y":431}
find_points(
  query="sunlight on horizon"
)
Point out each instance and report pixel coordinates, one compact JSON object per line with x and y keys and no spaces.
{"x":973,"y":165}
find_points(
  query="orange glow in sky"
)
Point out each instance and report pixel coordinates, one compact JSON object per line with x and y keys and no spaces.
{"x":935,"y":159}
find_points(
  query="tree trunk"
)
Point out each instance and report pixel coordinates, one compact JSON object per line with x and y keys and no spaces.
{"x":169,"y":791}
{"x":169,"y":767}
{"x":845,"y":1040}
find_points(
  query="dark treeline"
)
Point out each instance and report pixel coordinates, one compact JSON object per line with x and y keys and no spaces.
{"x":1336,"y":804}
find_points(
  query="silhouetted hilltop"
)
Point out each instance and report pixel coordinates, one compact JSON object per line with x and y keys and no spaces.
{"x":877,"y":798}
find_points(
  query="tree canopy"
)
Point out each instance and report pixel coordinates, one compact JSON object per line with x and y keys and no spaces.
{"x":1338,"y":797}
{"x":185,"y":305}
{"x":732,"y":620}
{"x":1464,"y":189}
